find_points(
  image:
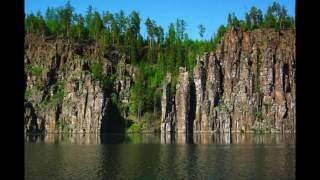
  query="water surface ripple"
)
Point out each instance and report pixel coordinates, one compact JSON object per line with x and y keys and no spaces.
{"x":150,"y":156}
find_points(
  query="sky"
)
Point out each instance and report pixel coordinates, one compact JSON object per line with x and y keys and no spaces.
{"x":210,"y":13}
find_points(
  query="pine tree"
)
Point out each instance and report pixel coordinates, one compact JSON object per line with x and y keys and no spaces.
{"x":65,"y":18}
{"x":202,"y":29}
{"x":180,"y":28}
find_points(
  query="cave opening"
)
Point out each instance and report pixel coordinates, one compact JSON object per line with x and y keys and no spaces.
{"x":112,"y":121}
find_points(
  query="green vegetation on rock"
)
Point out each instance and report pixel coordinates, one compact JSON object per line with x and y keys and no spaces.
{"x":259,"y":115}
{"x":34,"y":70}
{"x":27,"y":93}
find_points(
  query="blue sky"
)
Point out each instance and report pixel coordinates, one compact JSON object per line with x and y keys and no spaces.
{"x":211,"y":13}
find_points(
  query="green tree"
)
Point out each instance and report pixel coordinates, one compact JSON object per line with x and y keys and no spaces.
{"x":202,"y":29}
{"x":43,"y":27}
{"x":180,"y":28}
{"x":97,"y":25}
{"x":80,"y":26}
{"x":107,"y":20}
{"x":115,"y":32}
{"x":160,"y":35}
{"x":135,"y":24}
{"x":52,"y":20}
{"x":132,"y":33}
{"x":121,"y":20}
{"x":89,"y":15}
{"x":283,"y":18}
{"x":36,"y":24}
{"x":107,"y":17}
{"x":66,"y":18}
{"x":150,"y":24}
{"x":170,"y":51}
{"x":269,"y":19}
{"x":254,"y":18}
{"x":171,"y":35}
{"x":89,"y":21}
{"x":233,"y":21}
{"x":30,"y":23}
{"x":290,"y":22}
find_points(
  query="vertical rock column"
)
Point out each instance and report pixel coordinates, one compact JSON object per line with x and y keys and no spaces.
{"x":182,"y":101}
{"x":199,"y":83}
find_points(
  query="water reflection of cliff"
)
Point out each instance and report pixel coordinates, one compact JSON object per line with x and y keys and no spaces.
{"x":250,"y":158}
{"x":64,"y":139}
{"x":227,"y":138}
{"x":166,"y":156}
{"x":174,"y":138}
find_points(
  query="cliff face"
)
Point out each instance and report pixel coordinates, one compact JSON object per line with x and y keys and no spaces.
{"x":61,"y":92}
{"x":247,"y":85}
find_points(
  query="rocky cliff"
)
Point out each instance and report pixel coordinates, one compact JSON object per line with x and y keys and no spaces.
{"x":62,"y":94}
{"x":246,"y":85}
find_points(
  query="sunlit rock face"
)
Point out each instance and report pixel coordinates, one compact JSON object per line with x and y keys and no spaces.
{"x":182,"y":101}
{"x":208,"y":90}
{"x":246,"y":85}
{"x":62,"y":94}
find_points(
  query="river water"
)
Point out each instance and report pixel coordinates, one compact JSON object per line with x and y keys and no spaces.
{"x":155,"y":156}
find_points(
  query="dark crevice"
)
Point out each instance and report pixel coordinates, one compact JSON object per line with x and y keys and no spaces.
{"x":203,"y":78}
{"x":230,"y":123}
{"x":273,"y":77}
{"x":52,"y":77}
{"x":216,"y":99}
{"x":77,"y":85}
{"x":85,"y":67}
{"x":192,"y":110}
{"x":79,"y":48}
{"x":85,"y":105}
{"x":288,"y":90}
{"x":285,"y":114}
{"x":250,"y":62}
{"x":58,"y":112}
{"x":221,"y":83}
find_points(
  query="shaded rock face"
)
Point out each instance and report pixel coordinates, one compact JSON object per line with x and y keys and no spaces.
{"x":247,"y":85}
{"x":61,"y":92}
{"x":30,"y":119}
{"x":124,"y":79}
{"x":167,"y":107}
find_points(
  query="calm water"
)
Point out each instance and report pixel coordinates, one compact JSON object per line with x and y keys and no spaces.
{"x":148,"y":156}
